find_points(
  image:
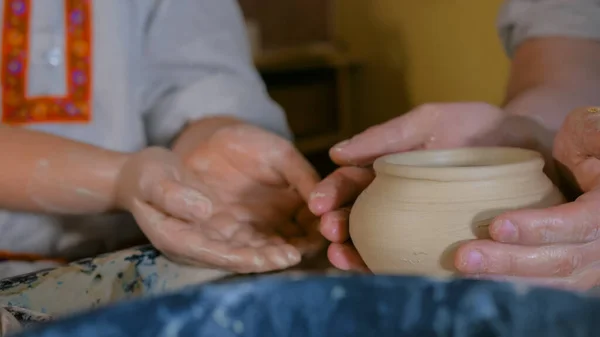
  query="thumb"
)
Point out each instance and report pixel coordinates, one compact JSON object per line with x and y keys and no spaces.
{"x":403,"y":133}
{"x":577,"y":148}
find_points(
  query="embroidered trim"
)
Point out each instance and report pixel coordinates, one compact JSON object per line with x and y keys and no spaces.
{"x":25,"y":257}
{"x":75,"y":106}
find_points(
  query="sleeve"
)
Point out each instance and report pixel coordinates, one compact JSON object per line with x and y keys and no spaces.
{"x":520,"y":20}
{"x":198,"y":64}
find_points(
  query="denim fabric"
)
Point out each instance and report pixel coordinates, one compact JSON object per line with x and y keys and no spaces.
{"x":336,"y":306}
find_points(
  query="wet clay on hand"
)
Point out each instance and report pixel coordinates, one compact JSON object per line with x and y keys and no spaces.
{"x":422,"y":204}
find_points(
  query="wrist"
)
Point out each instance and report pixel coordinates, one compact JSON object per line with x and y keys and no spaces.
{"x":549,"y":103}
{"x":119,"y":161}
{"x":525,"y":132}
{"x":199,"y":131}
{"x":535,"y":115}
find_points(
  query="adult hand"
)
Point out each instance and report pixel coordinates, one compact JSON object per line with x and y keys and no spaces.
{"x":431,"y":126}
{"x":558,"y":246}
{"x":258,"y":185}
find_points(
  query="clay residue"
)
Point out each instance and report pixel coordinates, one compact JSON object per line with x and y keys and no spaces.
{"x":415,"y":259}
{"x":52,"y":191}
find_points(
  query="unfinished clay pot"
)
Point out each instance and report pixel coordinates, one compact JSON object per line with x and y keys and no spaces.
{"x":422,"y":204}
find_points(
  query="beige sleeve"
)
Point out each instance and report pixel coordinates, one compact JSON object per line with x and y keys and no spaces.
{"x":520,"y":20}
{"x":200,"y":65}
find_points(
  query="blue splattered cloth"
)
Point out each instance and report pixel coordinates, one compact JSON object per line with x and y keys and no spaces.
{"x":332,"y":306}
{"x":14,"y":319}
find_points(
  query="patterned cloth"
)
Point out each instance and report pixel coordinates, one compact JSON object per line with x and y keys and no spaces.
{"x":87,"y":284}
{"x":13,"y":319}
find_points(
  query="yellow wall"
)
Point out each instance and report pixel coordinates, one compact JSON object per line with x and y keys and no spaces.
{"x":418,"y":51}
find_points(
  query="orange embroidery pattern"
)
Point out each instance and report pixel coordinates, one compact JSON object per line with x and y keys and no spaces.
{"x":75,"y":106}
{"x":12,"y":256}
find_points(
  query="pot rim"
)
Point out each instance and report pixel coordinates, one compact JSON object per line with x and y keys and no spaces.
{"x":460,"y":164}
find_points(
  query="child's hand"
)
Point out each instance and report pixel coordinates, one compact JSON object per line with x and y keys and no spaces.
{"x":191,"y":222}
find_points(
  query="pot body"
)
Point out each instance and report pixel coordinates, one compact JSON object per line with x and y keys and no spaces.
{"x":407,"y":225}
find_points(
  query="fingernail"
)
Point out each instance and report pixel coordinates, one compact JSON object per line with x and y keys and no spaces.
{"x":340,"y":146}
{"x":294,"y":256}
{"x":341,"y":262}
{"x":474,"y":261}
{"x":505,"y":231}
{"x":281,"y":261}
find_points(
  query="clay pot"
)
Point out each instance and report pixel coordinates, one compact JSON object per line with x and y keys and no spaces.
{"x":422,"y":204}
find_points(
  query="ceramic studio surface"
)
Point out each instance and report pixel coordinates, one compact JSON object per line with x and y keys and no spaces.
{"x":139,"y":272}
{"x":341,"y":306}
{"x":95,"y":282}
{"x":422,"y":204}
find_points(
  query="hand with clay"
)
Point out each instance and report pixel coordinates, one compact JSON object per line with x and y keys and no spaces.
{"x":258,"y":185}
{"x":557,"y":246}
{"x":50,"y":174}
{"x":431,"y":126}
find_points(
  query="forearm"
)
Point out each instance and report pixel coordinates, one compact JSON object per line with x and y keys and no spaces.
{"x":549,"y":78}
{"x":49,"y":174}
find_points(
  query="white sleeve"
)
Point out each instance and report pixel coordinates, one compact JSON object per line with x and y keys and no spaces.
{"x":198,"y":64}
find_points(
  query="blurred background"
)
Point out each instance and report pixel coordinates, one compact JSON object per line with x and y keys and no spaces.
{"x":338,"y":67}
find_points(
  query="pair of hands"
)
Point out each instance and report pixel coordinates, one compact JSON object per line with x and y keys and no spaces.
{"x":557,"y":246}
{"x":229,"y":196}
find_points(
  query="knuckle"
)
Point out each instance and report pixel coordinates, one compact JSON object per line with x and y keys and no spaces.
{"x":591,"y":230}
{"x":166,"y":194}
{"x":339,"y":182}
{"x":170,"y":190}
{"x":287,"y":151}
{"x":568,"y":264}
{"x":172,"y":202}
{"x":585,"y":279}
{"x":546,"y":235}
{"x":287,"y":148}
{"x":512,"y":266}
{"x":589,"y":223}
{"x":161,"y":189}
{"x":190,"y":160}
{"x":543,"y":230}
